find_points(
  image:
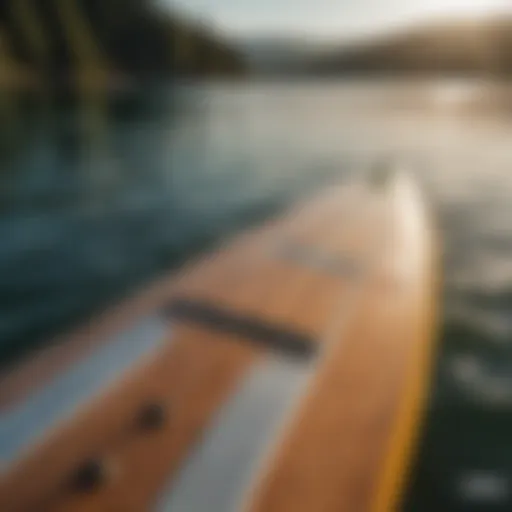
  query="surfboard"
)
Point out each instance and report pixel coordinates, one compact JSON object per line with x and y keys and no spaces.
{"x":286,"y":370}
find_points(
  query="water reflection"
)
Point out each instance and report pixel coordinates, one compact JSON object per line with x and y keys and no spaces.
{"x":101,"y":193}
{"x":84,"y":210}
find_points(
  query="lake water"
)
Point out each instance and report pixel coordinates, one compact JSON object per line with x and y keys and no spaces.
{"x":98,"y":197}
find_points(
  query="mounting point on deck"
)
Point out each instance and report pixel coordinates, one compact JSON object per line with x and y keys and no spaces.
{"x":151,"y":416}
{"x":89,"y":476}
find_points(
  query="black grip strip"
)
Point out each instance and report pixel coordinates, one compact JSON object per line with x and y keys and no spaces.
{"x":263,"y":333}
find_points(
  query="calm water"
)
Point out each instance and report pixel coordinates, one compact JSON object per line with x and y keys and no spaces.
{"x":100,"y":196}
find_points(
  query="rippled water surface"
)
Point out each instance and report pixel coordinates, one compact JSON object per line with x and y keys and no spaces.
{"x":101,"y":195}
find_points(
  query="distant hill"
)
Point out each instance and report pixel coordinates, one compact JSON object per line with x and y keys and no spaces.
{"x":467,"y":47}
{"x":56,"y":39}
{"x":276,"y":55}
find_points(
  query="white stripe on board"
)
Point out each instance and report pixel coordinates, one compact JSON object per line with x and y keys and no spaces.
{"x":23,"y":424}
{"x":220,"y":469}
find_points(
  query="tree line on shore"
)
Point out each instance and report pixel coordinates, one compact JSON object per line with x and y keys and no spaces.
{"x":56,"y":39}
{"x":476,"y":47}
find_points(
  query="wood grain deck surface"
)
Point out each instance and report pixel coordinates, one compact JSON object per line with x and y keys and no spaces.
{"x":366,"y":318}
{"x":333,"y":455}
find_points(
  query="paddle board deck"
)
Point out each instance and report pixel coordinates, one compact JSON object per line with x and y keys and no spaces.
{"x":285,"y":371}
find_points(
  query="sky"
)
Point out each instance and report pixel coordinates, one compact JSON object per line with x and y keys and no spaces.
{"x":339,"y":19}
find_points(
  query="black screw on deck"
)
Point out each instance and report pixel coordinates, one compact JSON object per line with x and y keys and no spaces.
{"x":89,"y":476}
{"x":151,"y":416}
